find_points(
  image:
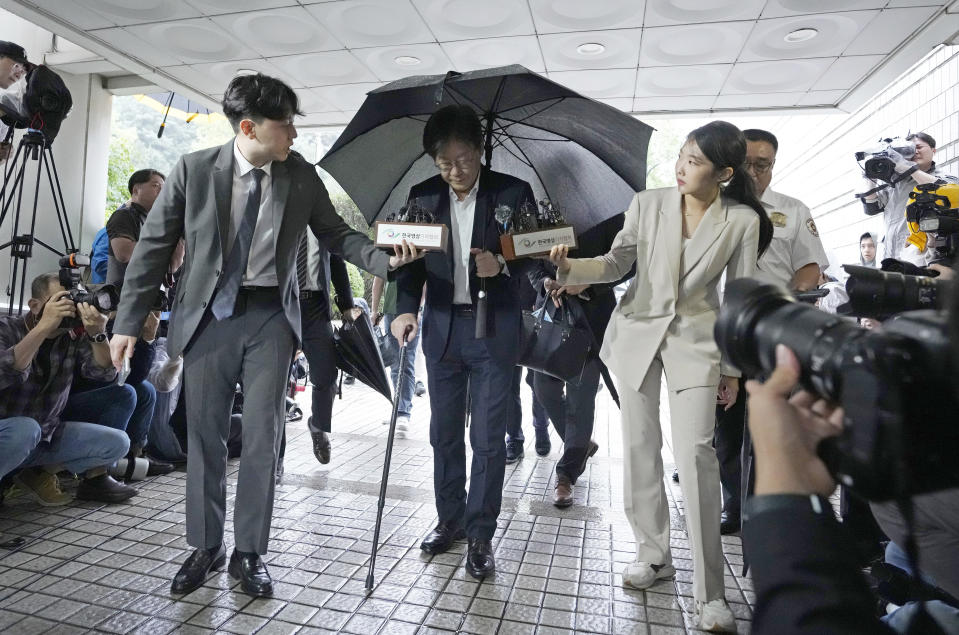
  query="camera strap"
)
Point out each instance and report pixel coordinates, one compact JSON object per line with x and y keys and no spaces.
{"x":906,"y":174}
{"x":878,"y":188}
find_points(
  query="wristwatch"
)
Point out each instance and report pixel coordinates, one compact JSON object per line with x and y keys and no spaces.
{"x":99,"y":338}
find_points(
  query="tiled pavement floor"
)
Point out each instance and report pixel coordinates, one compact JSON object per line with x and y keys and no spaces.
{"x":92,"y":568}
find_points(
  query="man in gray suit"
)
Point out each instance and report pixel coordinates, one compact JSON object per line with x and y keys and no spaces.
{"x":242,"y":208}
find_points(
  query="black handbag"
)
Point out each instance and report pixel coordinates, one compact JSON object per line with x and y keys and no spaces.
{"x":559,"y":347}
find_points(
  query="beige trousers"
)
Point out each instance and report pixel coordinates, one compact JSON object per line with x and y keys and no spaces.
{"x":692,"y":415}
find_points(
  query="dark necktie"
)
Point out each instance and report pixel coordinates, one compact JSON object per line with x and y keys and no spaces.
{"x":302,"y":261}
{"x":225,"y":299}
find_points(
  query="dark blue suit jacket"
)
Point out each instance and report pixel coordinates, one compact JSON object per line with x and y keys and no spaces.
{"x":504,"y":310}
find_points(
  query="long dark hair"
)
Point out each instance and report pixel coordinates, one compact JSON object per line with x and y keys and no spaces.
{"x":725,"y":146}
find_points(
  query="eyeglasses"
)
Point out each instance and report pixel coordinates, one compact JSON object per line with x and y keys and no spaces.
{"x":759,"y":167}
{"x":462,"y":164}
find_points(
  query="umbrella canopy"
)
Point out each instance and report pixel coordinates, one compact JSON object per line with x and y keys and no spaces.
{"x":178,"y":107}
{"x":586,"y":157}
{"x":358,"y":354}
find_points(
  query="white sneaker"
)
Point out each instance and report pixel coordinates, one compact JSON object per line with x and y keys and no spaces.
{"x":642,"y":575}
{"x":714,"y":616}
{"x":402,"y":426}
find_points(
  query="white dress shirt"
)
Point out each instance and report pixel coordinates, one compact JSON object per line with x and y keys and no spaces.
{"x":312,"y":282}
{"x":795,"y":241}
{"x":462,"y":214}
{"x":261,"y":266}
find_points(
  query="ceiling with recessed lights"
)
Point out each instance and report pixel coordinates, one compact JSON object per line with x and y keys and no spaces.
{"x":642,"y":56}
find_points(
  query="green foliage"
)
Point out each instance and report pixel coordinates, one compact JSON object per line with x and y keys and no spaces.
{"x":356,"y":281}
{"x":139,"y":123}
{"x":119,"y":169}
{"x":664,"y":146}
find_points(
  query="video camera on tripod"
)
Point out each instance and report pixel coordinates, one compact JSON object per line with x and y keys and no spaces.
{"x":46,"y":102}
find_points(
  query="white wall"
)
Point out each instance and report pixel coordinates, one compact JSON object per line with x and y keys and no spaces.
{"x":80,"y":151}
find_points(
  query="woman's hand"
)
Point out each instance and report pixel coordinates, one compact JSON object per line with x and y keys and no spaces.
{"x":728,"y":390}
{"x":558,"y":256}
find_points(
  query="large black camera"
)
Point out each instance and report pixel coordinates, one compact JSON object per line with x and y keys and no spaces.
{"x":880,"y":166}
{"x":103,"y":298}
{"x":897,"y":387}
{"x":881,"y":294}
{"x":46,"y":102}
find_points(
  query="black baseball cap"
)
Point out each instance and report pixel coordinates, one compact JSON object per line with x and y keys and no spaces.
{"x":13,"y":51}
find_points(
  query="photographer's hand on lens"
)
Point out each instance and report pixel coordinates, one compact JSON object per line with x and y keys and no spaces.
{"x":487,"y":265}
{"x":787,"y":430}
{"x":58,"y":307}
{"x":945,"y":272}
{"x":93,"y":321}
{"x":727,"y":392}
{"x":399,"y":325}
{"x":404,"y":254}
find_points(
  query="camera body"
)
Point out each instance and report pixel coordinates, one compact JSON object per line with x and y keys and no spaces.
{"x":897,"y":387}
{"x":104,"y":298}
{"x":934,"y":209}
{"x":879,"y":165}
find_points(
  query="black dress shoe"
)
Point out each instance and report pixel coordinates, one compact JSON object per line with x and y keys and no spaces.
{"x":514,"y":451}
{"x":104,"y":489}
{"x":729,"y":525}
{"x":194,"y":571}
{"x":479,"y":558}
{"x":251,"y":571}
{"x":321,"y":443}
{"x":675,"y":475}
{"x":442,"y":538}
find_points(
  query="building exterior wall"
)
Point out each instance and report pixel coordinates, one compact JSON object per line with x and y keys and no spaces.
{"x":826,"y":175}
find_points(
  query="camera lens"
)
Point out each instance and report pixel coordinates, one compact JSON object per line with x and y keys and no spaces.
{"x":879,"y":294}
{"x":756,"y":317}
{"x":105,"y":299}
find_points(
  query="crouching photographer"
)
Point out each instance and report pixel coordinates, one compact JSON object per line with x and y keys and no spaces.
{"x":40,"y":352}
{"x":876,"y":412}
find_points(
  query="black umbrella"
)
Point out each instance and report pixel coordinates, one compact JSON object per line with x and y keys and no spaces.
{"x":586,"y":157}
{"x":357,"y":354}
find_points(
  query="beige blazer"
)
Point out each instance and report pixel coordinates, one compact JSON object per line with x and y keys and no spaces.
{"x":671,"y":306}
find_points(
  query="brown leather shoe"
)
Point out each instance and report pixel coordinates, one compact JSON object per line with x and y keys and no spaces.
{"x":563,"y":493}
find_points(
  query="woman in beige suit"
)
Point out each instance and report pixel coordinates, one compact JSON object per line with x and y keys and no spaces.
{"x":682,"y":240}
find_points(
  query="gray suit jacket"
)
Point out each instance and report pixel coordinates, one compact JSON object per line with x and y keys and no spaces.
{"x":671,"y":306}
{"x":195,"y":204}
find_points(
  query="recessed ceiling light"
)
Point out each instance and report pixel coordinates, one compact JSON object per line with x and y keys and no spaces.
{"x":590,"y":48}
{"x":801,"y":35}
{"x":406,"y":60}
{"x":246,"y":71}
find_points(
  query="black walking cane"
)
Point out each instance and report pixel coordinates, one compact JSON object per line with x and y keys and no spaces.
{"x":386,"y":462}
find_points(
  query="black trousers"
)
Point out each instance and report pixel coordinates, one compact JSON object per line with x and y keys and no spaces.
{"x":728,"y":441}
{"x":490,"y":379}
{"x":572,"y":414}
{"x":321,"y":355}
